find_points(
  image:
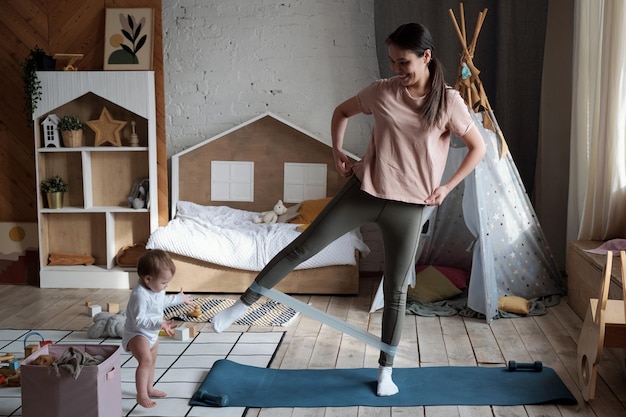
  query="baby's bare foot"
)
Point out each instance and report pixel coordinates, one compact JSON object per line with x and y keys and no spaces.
{"x":145,"y":401}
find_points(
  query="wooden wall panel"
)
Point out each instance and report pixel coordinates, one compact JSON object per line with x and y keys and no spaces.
{"x":58,"y":26}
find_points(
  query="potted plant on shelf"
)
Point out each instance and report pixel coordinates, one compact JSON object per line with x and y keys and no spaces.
{"x":72,"y":131}
{"x":54,"y":188}
{"x":37,"y":60}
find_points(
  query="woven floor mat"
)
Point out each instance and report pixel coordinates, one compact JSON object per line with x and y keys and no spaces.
{"x":261,"y":313}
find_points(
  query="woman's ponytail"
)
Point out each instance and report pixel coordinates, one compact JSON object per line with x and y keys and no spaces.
{"x":435,"y":104}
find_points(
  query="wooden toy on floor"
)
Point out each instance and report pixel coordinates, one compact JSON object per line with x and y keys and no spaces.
{"x":113,"y":308}
{"x":193,"y":330}
{"x":196,"y":312}
{"x":7,"y":357}
{"x":15,"y":380}
{"x":29,"y":349}
{"x":604,"y":326}
{"x":94,"y":309}
{"x":10,"y":377}
{"x":181,"y":333}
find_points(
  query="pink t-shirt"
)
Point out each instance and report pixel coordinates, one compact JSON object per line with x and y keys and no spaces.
{"x":405,"y":160}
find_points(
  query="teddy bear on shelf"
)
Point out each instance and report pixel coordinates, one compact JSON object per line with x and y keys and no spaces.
{"x":107,"y":324}
{"x":269,"y":217}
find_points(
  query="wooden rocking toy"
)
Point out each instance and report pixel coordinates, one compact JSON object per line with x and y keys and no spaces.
{"x":604,"y":326}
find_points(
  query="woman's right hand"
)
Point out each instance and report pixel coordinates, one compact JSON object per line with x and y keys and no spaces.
{"x":342,"y":163}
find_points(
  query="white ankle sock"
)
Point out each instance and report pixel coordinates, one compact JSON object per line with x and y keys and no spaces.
{"x":386,"y":386}
{"x":228,"y":316}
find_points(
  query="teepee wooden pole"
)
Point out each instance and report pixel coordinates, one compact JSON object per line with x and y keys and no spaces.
{"x":458,"y":29}
{"x":463,"y":31}
{"x":479,"y":25}
{"x":472,"y":89}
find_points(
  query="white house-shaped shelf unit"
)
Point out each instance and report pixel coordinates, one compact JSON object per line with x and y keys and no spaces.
{"x":96,"y":219}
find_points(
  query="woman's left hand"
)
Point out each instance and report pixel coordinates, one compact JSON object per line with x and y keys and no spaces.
{"x":437,"y":197}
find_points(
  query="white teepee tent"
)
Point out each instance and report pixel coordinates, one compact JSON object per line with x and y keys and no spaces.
{"x":487,"y":224}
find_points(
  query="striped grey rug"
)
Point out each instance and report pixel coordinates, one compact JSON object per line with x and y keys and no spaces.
{"x":264,"y":312}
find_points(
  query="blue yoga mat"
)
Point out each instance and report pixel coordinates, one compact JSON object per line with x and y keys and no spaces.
{"x":232,"y":384}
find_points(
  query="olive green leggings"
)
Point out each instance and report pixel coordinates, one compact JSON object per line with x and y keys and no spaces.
{"x":400,"y":226}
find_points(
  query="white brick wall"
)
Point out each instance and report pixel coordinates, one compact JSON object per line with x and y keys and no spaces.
{"x":227,"y":61}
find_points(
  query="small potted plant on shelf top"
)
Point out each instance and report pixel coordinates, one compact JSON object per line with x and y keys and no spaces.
{"x":54,"y":188}
{"x":72,"y":131}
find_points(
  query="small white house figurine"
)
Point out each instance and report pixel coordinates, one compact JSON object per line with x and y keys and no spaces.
{"x":51,"y":137}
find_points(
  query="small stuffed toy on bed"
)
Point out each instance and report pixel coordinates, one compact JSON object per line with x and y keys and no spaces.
{"x":269,"y":217}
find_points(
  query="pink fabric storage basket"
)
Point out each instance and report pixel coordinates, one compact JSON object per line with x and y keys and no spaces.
{"x":97,"y":392}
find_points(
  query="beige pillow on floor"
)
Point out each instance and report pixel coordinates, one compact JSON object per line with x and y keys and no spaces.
{"x":514,"y":304}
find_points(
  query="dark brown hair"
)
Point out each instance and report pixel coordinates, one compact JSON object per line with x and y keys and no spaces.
{"x":153,"y":262}
{"x":416,"y":37}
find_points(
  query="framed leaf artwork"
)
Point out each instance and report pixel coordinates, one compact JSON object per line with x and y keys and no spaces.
{"x":128,"y":39}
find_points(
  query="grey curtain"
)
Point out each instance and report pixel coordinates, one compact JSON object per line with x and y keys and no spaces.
{"x":509,"y":54}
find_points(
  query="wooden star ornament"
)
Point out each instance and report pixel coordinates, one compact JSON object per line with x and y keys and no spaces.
{"x":107,"y":129}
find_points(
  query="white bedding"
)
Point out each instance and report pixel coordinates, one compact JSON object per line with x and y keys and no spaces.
{"x":229,"y":237}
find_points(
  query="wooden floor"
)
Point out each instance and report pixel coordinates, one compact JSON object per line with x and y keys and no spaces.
{"x":427,"y":341}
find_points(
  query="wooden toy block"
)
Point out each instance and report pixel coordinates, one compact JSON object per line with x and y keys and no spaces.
{"x":181,"y":333}
{"x":14,"y":365}
{"x":3,"y":379}
{"x":193,"y":329}
{"x":30,"y":349}
{"x":94,"y":309}
{"x":7,"y":357}
{"x":88,"y":303}
{"x":163,"y":333}
{"x":15,"y":380}
{"x":113,"y":308}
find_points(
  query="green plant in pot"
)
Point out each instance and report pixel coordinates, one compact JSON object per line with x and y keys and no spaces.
{"x":37,"y":60}
{"x":54,"y":188}
{"x":72,"y":131}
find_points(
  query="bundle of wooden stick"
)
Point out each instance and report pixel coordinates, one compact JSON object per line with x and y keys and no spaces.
{"x":468,"y":82}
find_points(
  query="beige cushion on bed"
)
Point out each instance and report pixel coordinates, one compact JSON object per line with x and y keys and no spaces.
{"x":292,"y":213}
{"x":309,"y":210}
